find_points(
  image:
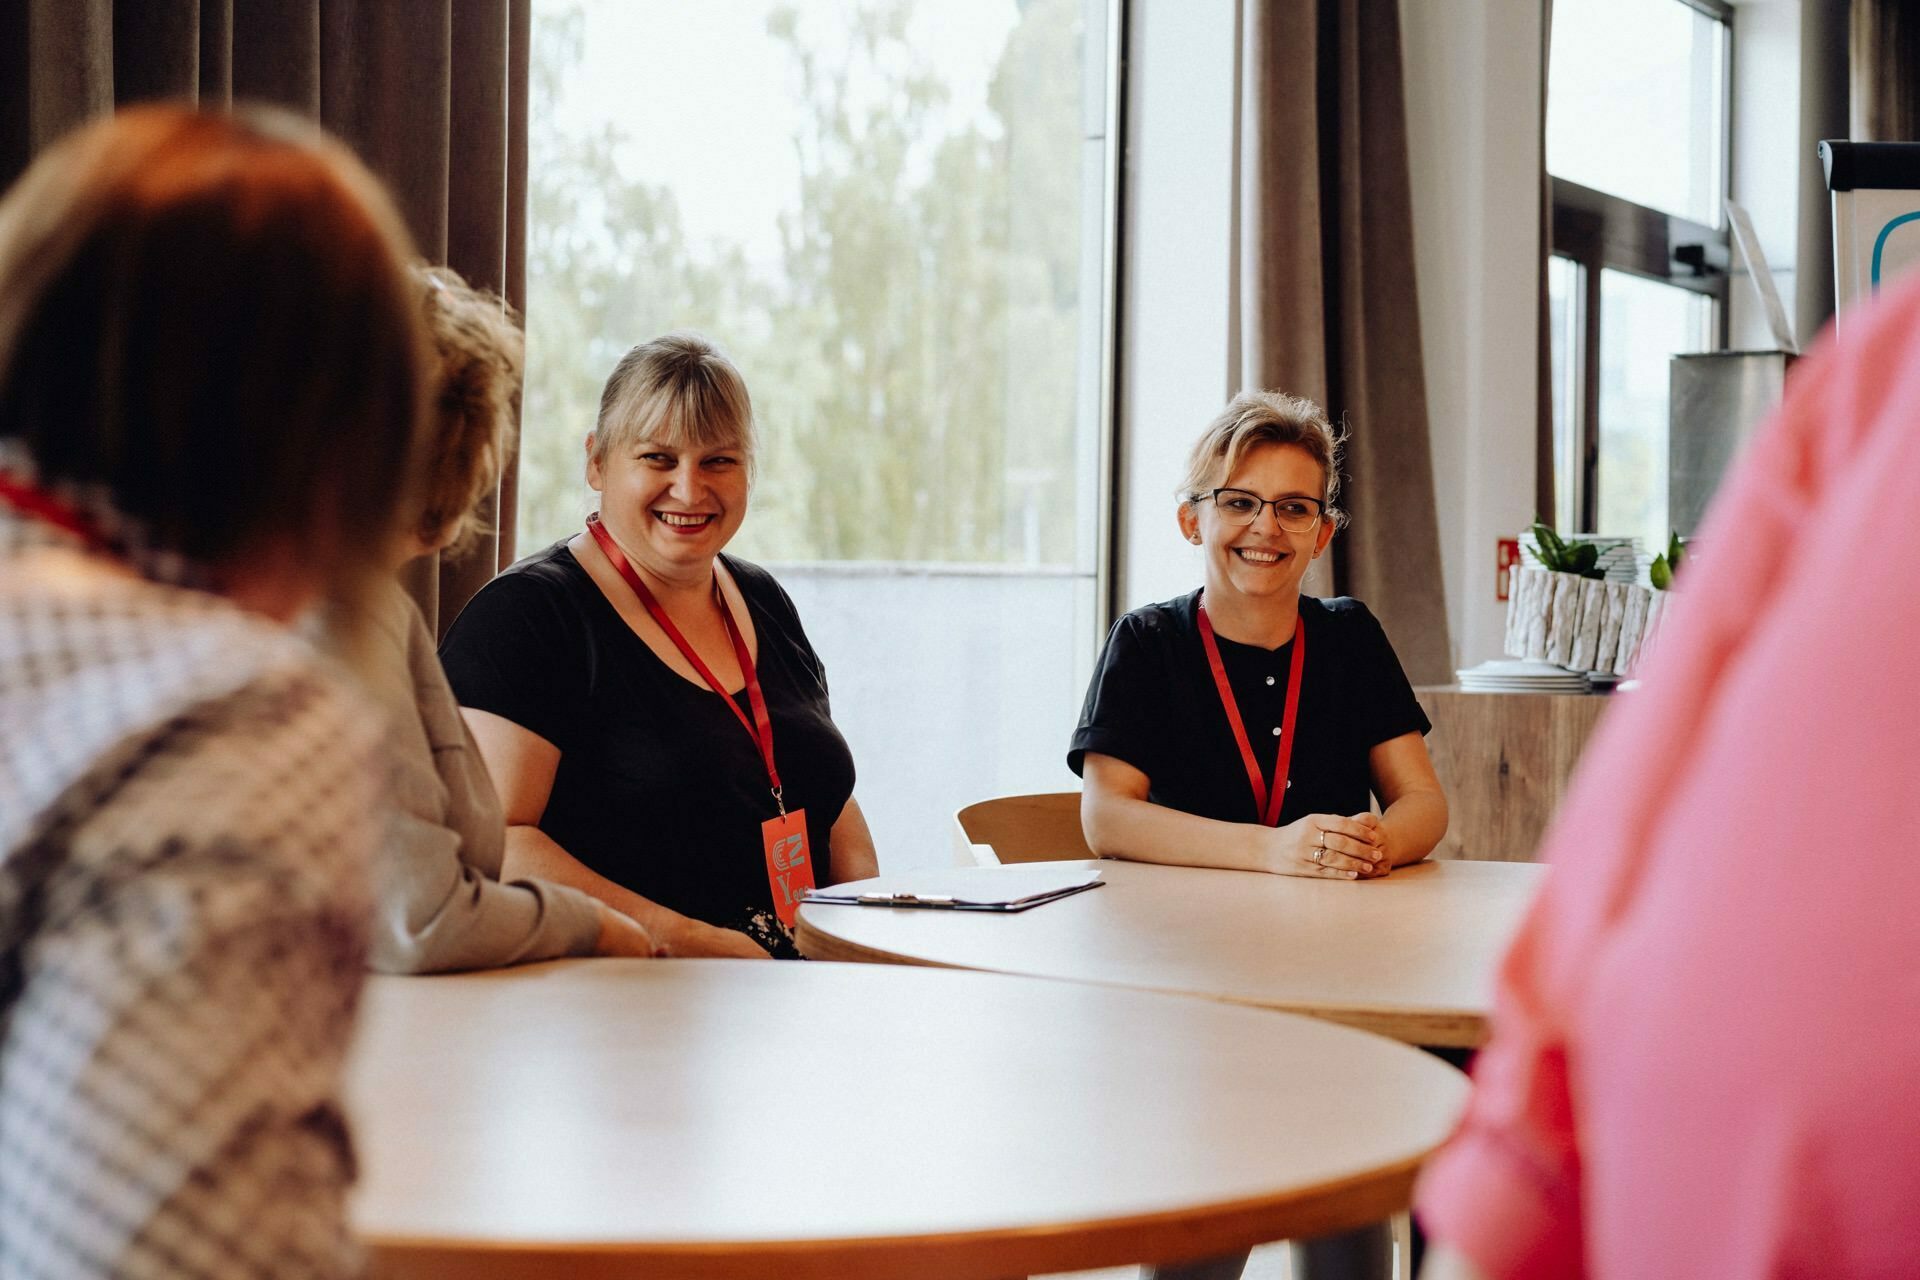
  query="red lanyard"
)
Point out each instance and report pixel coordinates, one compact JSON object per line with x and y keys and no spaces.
{"x":761,"y":726}
{"x":1266,"y":800}
{"x":32,"y":501}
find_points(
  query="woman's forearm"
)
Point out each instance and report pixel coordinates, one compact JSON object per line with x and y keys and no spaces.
{"x":532,"y":853}
{"x":1120,"y":826}
{"x":1414,"y":824}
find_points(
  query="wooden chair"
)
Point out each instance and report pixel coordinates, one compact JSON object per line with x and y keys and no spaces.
{"x":1037,"y":828}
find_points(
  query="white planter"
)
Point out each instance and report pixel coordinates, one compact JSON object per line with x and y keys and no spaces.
{"x":1656,"y":619}
{"x":1564,"y":623}
{"x":1608,"y":645}
{"x":1632,"y":624}
{"x":1586,"y":637}
{"x":1582,"y":624}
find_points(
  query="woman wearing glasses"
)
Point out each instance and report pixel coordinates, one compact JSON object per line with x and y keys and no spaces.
{"x":1245,"y":725}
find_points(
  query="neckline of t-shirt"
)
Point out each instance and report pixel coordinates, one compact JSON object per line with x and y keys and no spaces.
{"x":695,"y":683}
{"x":1192,"y":603}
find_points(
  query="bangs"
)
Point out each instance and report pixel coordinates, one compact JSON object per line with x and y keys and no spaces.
{"x":679,"y":392}
{"x":697,"y":417}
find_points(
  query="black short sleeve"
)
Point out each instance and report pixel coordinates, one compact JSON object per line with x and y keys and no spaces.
{"x":1384,"y":703}
{"x":1126,"y":711}
{"x":658,"y":787}
{"x":780,"y":607}
{"x":519,"y":650}
{"x":1153,"y":702}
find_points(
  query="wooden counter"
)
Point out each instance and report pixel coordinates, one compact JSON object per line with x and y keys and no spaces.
{"x":1505,"y":760}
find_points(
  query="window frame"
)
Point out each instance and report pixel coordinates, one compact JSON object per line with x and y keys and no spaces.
{"x":1595,"y":231}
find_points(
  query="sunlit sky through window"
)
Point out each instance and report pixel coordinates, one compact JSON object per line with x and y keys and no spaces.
{"x":728,"y":83}
{"x":1635,"y":101}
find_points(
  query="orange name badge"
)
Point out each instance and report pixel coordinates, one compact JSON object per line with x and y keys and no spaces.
{"x":789,"y":861}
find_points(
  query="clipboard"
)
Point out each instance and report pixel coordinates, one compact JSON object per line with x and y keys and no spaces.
{"x":999,"y":889}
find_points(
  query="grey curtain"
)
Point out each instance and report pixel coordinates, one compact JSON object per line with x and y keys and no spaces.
{"x":1886,"y":71}
{"x":1328,"y":305}
{"x":431,"y":93}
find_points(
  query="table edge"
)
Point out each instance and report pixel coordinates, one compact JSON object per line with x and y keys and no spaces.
{"x":1431,"y":1028}
{"x":1171,"y":1236}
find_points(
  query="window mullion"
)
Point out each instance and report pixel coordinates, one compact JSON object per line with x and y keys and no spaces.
{"x":1588,"y":472}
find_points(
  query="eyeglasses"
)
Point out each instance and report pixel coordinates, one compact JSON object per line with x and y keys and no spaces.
{"x":1238,"y":507}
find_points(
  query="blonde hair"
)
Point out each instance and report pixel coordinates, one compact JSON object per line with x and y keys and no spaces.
{"x":1256,"y":418}
{"x":208,"y":342}
{"x":681,"y":390}
{"x":481,"y":354}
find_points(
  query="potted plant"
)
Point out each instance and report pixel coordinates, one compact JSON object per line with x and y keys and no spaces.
{"x":1555,"y":611}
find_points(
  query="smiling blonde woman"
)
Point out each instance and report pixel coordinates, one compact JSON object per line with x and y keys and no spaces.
{"x":650,"y":708}
{"x":1246,"y":725}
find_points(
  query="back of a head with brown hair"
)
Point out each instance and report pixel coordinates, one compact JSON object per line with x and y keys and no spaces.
{"x":208,"y":339}
{"x":681,"y":390}
{"x":1255,"y":418}
{"x":480,"y":351}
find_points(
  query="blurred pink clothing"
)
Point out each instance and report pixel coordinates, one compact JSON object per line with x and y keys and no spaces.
{"x":1706,"y":1052}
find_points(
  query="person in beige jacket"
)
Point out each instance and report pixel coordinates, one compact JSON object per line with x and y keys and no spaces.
{"x":440,"y":904}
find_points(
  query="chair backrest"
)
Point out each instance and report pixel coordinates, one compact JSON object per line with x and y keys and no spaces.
{"x":1038,"y":828}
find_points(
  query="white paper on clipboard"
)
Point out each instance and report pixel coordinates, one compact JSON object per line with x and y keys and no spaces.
{"x":1013,"y":888}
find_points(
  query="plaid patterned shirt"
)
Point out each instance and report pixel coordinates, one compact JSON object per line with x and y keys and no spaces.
{"x":186,"y":804}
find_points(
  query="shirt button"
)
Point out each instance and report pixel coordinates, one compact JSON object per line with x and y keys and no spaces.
{"x":1269,"y":679}
{"x":1276,"y":731}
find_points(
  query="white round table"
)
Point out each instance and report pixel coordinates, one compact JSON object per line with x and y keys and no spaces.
{"x":713,"y":1118}
{"x":1411,"y":955}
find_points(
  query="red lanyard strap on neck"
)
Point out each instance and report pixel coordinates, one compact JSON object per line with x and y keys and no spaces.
{"x":761,"y":726}
{"x":36,"y":503}
{"x":1266,"y":800}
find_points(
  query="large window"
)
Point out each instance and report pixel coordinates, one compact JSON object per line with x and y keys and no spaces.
{"x":1637,"y":145}
{"x":894,"y":215}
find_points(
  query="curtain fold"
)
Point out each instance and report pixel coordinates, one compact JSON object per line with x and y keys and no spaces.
{"x":1886,"y":71}
{"x":1328,"y":302}
{"x":425,"y":91}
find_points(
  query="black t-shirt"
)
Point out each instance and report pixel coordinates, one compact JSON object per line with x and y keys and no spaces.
{"x":1153,"y":704}
{"x":659,"y":788}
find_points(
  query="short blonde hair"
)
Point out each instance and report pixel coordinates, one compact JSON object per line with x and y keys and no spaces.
{"x":481,"y":352}
{"x":1255,"y":418}
{"x":679,"y":389}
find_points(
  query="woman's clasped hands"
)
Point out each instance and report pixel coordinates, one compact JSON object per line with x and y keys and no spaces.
{"x":1329,"y":846}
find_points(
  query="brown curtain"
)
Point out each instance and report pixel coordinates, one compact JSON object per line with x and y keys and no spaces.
{"x":431,"y":93}
{"x":1328,"y":301}
{"x":1886,"y":71}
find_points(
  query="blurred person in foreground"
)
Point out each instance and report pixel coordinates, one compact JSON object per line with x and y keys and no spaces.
{"x":651,"y":709}
{"x":1703,"y":1055}
{"x":212,"y":368}
{"x":439,"y":901}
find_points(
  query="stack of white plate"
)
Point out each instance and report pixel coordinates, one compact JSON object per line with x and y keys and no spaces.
{"x":1507,"y":675}
{"x":1620,"y":558}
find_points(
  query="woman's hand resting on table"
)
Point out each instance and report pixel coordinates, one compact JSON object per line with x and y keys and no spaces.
{"x":1329,"y":847}
{"x":686,"y":937}
{"x":622,"y":935}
